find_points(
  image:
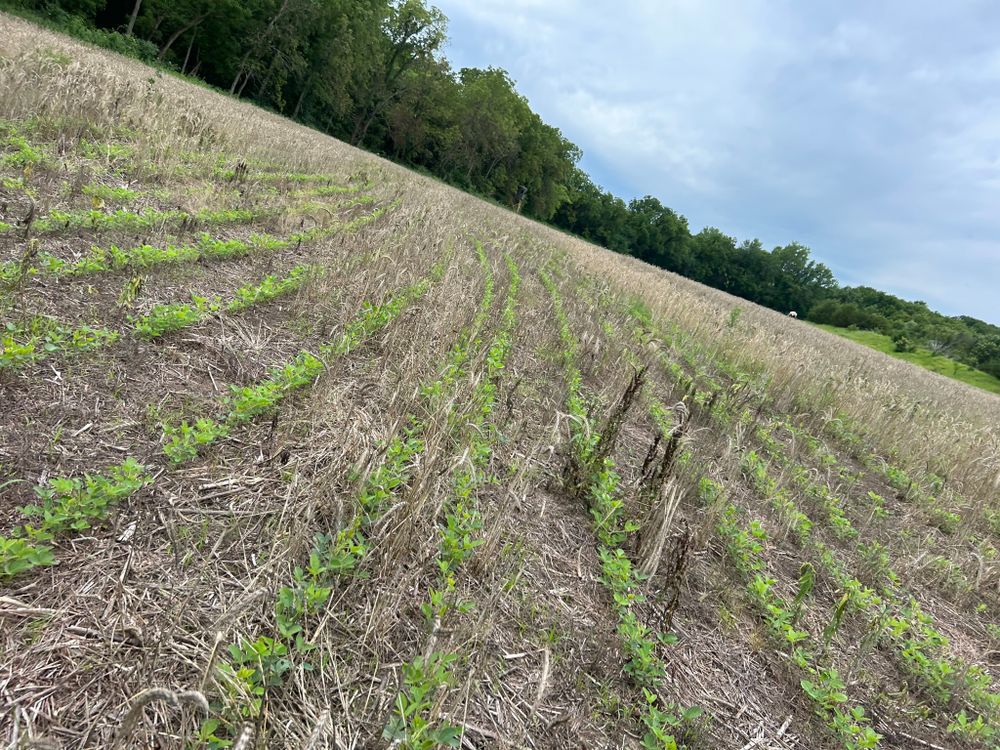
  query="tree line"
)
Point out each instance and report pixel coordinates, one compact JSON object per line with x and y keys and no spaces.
{"x":373,"y":73}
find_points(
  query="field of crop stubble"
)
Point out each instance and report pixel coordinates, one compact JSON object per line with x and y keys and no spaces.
{"x":299,"y":449}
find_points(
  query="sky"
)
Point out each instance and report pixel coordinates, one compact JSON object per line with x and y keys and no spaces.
{"x":867,"y":131}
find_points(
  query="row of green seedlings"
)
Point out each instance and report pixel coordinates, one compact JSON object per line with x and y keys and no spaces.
{"x":593,"y":452}
{"x":941,"y":504}
{"x":944,"y":570}
{"x":174,"y":316}
{"x":926,"y":491}
{"x":184,"y":441}
{"x":414,"y":723}
{"x":830,"y":505}
{"x":920,"y":663}
{"x":148,"y":219}
{"x":99,"y":193}
{"x":153,"y":219}
{"x":601,"y":485}
{"x":732,"y":405}
{"x":938,"y":505}
{"x":929,"y":493}
{"x":102,"y":195}
{"x":205,"y":247}
{"x":256,"y":666}
{"x":263,"y":173}
{"x":71,"y":505}
{"x":24,"y":343}
{"x":66,"y":506}
{"x":917,"y":641}
{"x":700,"y":387}
{"x":21,"y":153}
{"x":945,"y":519}
{"x":105,"y":152}
{"x":695,"y":355}
{"x":820,"y":682}
{"x":920,"y":649}
{"x":18,"y":153}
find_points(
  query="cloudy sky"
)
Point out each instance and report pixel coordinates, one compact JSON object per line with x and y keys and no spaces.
{"x":869,"y":131}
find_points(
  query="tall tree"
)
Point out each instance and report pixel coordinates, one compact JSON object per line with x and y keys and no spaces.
{"x":413,"y":34}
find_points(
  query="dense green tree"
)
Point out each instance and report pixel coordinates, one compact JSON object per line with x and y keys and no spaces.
{"x":801,"y":281}
{"x":413,"y":35}
{"x":658,"y":235}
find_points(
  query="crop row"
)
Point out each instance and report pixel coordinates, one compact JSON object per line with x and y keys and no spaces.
{"x":599,"y":482}
{"x":414,"y":723}
{"x":731,"y":405}
{"x":145,"y":220}
{"x":821,"y":683}
{"x":24,"y":343}
{"x":893,"y":616}
{"x":411,"y":723}
{"x":74,"y":504}
{"x":947,"y":572}
{"x":245,"y":403}
{"x":750,"y":389}
{"x":66,"y":506}
{"x":167,"y":318}
{"x":919,"y":646}
{"x":113,"y":258}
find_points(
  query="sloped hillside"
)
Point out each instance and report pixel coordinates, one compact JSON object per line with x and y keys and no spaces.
{"x":299,"y":449}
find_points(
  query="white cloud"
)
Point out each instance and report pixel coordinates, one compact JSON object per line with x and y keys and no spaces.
{"x":870,"y":132}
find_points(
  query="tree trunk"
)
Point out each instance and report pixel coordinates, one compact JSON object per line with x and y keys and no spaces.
{"x":240,"y":71}
{"x":361,"y":128}
{"x":131,"y":19}
{"x":187,"y":55}
{"x":302,"y":97}
{"x":246,"y":80}
{"x":267,"y":77}
{"x":177,"y":34}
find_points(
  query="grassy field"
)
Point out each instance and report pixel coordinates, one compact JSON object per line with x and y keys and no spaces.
{"x":934,"y":362}
{"x":299,"y":449}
